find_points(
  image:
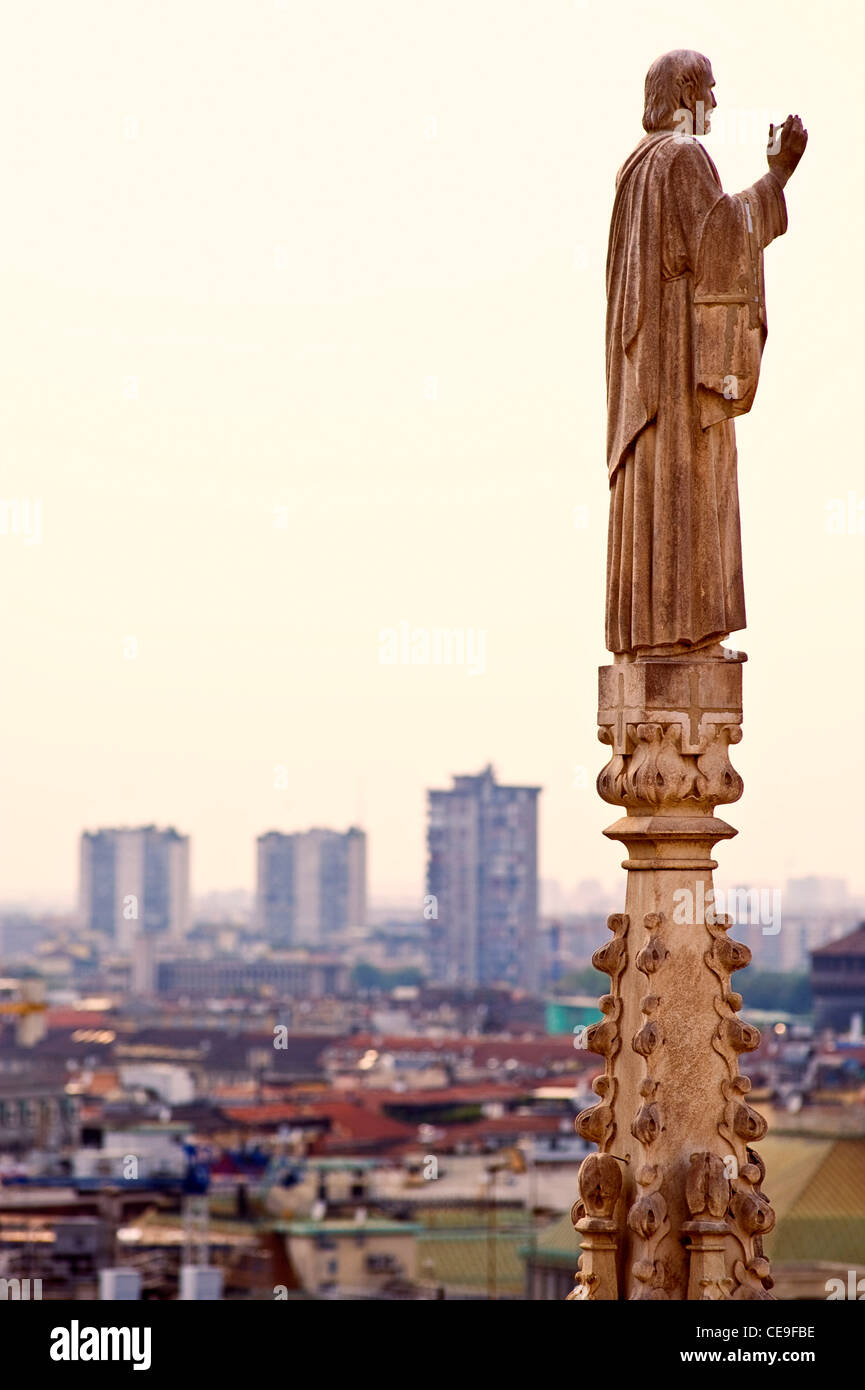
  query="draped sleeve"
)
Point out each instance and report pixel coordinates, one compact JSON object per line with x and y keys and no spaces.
{"x":724,"y":236}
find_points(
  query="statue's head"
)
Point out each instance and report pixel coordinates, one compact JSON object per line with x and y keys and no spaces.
{"x":677,"y":83}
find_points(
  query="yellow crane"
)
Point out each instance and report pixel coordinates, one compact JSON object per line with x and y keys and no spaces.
{"x":29,"y":1009}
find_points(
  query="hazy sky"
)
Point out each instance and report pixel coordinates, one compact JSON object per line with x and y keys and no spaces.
{"x":304,"y":317}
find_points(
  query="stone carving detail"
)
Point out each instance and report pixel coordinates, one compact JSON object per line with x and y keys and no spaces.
{"x":683,"y":1231}
{"x":707,"y":1192}
{"x":597,"y":1125}
{"x":656,"y":773}
{"x":752,"y":1218}
{"x":647,"y":1039}
{"x":649,"y":1221}
{"x":648,"y":1217}
{"x":594,"y":1216}
{"x":749,"y":1214}
{"x":652,"y":956}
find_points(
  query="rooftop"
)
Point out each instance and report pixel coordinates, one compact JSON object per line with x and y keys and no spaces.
{"x":817,"y":1191}
{"x":379,"y":1226}
{"x":853,"y":944}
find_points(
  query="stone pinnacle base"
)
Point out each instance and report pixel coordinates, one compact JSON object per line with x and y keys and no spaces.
{"x":670,"y":1206}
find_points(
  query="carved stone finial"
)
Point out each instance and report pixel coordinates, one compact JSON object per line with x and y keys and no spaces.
{"x":691,"y":1206}
{"x":594,"y":1216}
{"x":597,"y":1125}
{"x":707,"y":1190}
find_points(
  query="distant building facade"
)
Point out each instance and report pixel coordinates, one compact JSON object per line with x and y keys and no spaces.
{"x":482,"y":882}
{"x":307,"y":977}
{"x":37,"y":1114}
{"x":134,"y":880}
{"x":838,"y":982}
{"x":815,"y":893}
{"x":361,"y":1259}
{"x":310,"y":886}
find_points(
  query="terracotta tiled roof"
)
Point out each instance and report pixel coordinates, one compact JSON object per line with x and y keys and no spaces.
{"x":530,"y":1051}
{"x":448,"y":1095}
{"x":503,"y":1127}
{"x":347,"y":1123}
{"x":77,"y":1018}
{"x":102,"y":1083}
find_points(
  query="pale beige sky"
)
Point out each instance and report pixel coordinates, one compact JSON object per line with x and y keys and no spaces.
{"x":347,"y":260}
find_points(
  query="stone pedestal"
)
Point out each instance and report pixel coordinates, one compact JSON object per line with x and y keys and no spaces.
{"x":684,"y":1213}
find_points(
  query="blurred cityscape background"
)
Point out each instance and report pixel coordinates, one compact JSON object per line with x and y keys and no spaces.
{"x":291,"y":1091}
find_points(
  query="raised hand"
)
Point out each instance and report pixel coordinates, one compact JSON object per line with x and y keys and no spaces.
{"x":786,"y":147}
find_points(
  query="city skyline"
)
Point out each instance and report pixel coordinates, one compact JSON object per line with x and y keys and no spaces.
{"x":379,"y":898}
{"x":552,"y":889}
{"x":278,"y":397}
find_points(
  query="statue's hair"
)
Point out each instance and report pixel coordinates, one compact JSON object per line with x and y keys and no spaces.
{"x":666,"y":81}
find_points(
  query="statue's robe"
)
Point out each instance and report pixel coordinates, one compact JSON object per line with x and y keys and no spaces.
{"x":686,"y":324}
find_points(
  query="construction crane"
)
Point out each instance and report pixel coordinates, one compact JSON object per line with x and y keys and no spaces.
{"x":285,"y":1169}
{"x":195,"y":1207}
{"x":29,"y":1009}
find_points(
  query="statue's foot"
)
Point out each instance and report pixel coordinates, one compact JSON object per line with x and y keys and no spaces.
{"x":716,"y":651}
{"x":679,"y":651}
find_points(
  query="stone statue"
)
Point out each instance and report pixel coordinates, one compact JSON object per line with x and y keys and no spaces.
{"x":686,"y":324}
{"x":672,"y":1205}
